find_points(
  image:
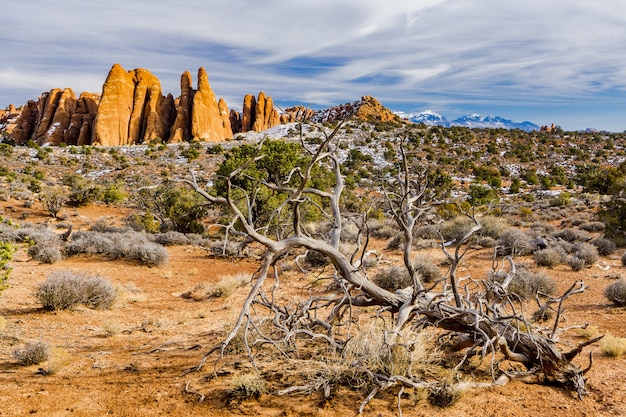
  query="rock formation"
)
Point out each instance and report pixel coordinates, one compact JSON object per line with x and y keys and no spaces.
{"x":132,"y":109}
{"x":258,"y":114}
{"x":57,"y":117}
{"x":115,"y":109}
{"x":247,"y":113}
{"x":208,"y":122}
{"x":181,"y":129}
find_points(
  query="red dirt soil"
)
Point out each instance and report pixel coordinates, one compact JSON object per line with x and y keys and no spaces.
{"x":131,"y":360}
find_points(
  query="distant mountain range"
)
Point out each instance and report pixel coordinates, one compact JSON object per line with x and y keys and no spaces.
{"x":431,"y":118}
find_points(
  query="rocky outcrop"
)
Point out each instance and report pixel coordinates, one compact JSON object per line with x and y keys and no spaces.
{"x":132,"y":109}
{"x":207,"y":121}
{"x":247,"y":113}
{"x":115,"y":109}
{"x":235,"y":121}
{"x":258,"y":114}
{"x":57,"y":117}
{"x":181,"y":129}
{"x":296,"y":113}
{"x":25,"y":123}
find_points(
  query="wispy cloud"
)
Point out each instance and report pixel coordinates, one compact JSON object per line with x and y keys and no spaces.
{"x":451,"y":55}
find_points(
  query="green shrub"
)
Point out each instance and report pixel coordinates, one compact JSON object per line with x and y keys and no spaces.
{"x":53,"y":199}
{"x":66,"y":289}
{"x":616,"y":292}
{"x":6,"y":254}
{"x":113,"y":194}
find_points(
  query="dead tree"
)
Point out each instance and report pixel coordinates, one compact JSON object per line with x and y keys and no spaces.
{"x":488,"y":318}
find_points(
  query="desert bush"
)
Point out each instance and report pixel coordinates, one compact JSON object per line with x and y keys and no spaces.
{"x":613,"y":215}
{"x":32,"y":354}
{"x":585,"y":251}
{"x":9,"y":233}
{"x":45,"y":253}
{"x":613,"y":346}
{"x":171,"y":238}
{"x":384,"y":231}
{"x":526,"y":283}
{"x":616,"y":292}
{"x":492,"y":226}
{"x":514,"y":242}
{"x":369,"y":348}
{"x":53,"y":199}
{"x":143,"y":223}
{"x":113,"y":193}
{"x":146,"y":252}
{"x":224,"y":248}
{"x":593,"y":227}
{"x":541,"y":229}
{"x":575,"y":263}
{"x":395,"y":242}
{"x":605,"y":246}
{"x":129,"y":245}
{"x":64,"y":289}
{"x":572,"y":235}
{"x":33,"y":234}
{"x":102,"y":226}
{"x":426,"y":232}
{"x":393,"y":278}
{"x":549,"y":257}
{"x":426,"y":268}
{"x":456,"y":228}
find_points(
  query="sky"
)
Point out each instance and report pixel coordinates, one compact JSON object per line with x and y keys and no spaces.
{"x":545,"y":61}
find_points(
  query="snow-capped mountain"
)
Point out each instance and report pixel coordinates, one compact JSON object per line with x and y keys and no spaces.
{"x":431,"y":118}
{"x":428,"y":117}
{"x":489,"y":121}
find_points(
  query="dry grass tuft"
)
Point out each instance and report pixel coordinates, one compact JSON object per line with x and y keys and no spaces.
{"x":249,"y":385}
{"x":613,"y":346}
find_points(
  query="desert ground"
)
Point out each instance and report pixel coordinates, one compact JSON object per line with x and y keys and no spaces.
{"x":134,"y":359}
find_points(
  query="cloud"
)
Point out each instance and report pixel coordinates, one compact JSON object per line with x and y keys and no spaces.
{"x":446,"y":53}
